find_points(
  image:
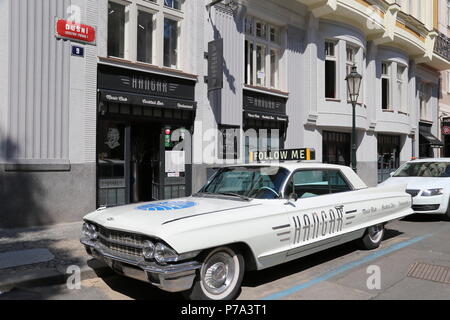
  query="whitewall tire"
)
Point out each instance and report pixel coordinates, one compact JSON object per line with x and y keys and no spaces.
{"x":220,"y":276}
{"x":372,"y":238}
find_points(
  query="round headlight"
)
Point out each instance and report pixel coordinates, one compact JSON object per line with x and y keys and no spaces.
{"x":90,"y":231}
{"x":164,"y":254}
{"x":94,"y":233}
{"x":148,"y":249}
{"x":85,"y":230}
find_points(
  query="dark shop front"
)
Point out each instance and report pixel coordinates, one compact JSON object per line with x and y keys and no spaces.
{"x":336,"y":147}
{"x":265,"y":115}
{"x":427,"y":141}
{"x":446,"y":136}
{"x":138,"y":112}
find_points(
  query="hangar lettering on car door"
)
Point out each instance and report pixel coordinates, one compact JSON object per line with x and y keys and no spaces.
{"x":315,"y":225}
{"x":324,"y":217}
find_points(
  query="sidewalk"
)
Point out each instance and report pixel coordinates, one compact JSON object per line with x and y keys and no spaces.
{"x":41,"y":256}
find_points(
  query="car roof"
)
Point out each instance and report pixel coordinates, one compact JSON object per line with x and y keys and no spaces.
{"x":292,"y":165}
{"x":431,"y":160}
{"x":355,"y":180}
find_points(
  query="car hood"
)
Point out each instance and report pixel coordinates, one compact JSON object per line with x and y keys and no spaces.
{"x":150,"y":217}
{"x":417,"y":183}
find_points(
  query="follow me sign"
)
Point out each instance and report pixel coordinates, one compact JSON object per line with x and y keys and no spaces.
{"x":283,"y":155}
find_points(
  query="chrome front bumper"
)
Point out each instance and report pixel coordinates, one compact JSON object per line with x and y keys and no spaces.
{"x":171,"y":278}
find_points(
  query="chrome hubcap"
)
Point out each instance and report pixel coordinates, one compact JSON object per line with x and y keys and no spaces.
{"x":376,"y":232}
{"x":218,"y":273}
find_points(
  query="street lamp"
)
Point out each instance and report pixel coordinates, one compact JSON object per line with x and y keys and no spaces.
{"x":353,"y":84}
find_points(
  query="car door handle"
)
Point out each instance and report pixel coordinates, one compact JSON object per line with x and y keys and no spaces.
{"x":289,"y":203}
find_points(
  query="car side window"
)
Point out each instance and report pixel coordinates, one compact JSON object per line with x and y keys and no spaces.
{"x":337,"y":182}
{"x":309,"y":183}
{"x":313,"y":183}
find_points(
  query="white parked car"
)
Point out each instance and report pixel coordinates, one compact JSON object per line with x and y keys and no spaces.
{"x":428,"y":182}
{"x":247,"y":217}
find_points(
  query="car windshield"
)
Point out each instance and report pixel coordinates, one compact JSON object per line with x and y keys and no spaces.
{"x":248,"y":182}
{"x":424,"y":169}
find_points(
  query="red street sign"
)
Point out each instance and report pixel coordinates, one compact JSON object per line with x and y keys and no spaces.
{"x":445,"y":130}
{"x":75,"y":31}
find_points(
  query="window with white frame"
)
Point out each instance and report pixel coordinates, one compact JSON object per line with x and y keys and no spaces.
{"x":330,"y":70}
{"x":147,"y":31}
{"x":174,"y":4}
{"x":419,"y":12}
{"x":448,"y":13}
{"x":145,"y":36}
{"x":424,"y":98}
{"x":401,"y":88}
{"x":262,"y":53}
{"x":385,"y":86}
{"x":116,"y":29}
{"x":448,"y":81}
{"x":171,"y":36}
{"x":410,"y":7}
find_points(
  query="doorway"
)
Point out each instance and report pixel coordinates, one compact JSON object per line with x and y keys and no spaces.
{"x":144,"y":162}
{"x":137,"y":162}
{"x":129,"y":162}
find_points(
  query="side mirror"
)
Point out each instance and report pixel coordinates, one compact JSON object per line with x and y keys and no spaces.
{"x":392,"y":174}
{"x":293,"y":197}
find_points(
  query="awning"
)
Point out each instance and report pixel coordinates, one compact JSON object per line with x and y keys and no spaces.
{"x":433,"y":141}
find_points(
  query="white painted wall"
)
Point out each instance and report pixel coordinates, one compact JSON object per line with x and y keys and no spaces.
{"x":4,"y":77}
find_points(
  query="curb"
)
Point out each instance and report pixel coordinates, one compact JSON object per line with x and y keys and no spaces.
{"x":47,"y":277}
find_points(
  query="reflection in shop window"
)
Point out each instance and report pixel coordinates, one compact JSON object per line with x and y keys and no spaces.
{"x":229,"y":143}
{"x":145,"y":37}
{"x":116,"y":30}
{"x":336,"y":148}
{"x":170,"y":43}
{"x":111,"y":165}
{"x":388,"y":156}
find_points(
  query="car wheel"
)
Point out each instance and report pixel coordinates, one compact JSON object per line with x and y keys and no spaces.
{"x":220,"y":276}
{"x":372,"y":238}
{"x":447,"y":214}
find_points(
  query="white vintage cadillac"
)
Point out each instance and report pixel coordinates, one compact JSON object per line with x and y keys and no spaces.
{"x":247,"y":217}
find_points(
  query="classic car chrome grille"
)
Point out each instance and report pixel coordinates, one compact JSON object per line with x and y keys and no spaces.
{"x":132,"y":251}
{"x":121,"y":242}
{"x":413,"y":193}
{"x":124,"y":238}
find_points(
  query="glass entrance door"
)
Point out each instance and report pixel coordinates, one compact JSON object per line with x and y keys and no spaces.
{"x":111,"y":164}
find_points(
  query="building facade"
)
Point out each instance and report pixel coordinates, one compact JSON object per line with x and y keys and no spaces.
{"x":87,"y":125}
{"x":444,"y":103}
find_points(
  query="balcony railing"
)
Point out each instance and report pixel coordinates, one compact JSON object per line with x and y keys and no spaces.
{"x":442,"y":46}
